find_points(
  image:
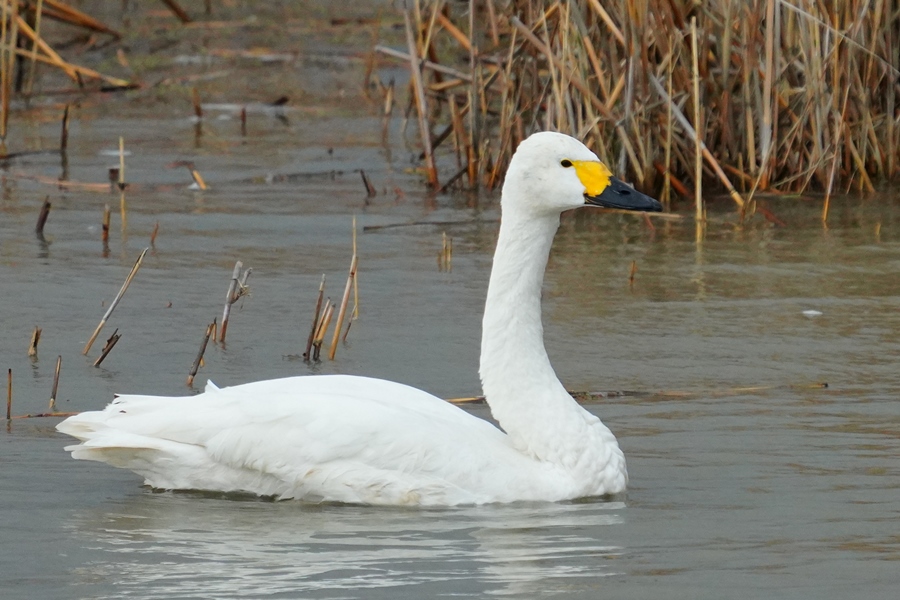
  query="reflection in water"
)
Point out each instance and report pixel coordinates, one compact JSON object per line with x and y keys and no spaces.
{"x":181,"y":545}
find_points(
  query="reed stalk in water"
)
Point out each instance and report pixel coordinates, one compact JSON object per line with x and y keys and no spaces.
{"x":236,"y":290}
{"x":53,"y":392}
{"x":315,"y":321}
{"x":343,"y":309}
{"x":113,"y":339}
{"x":35,"y":338}
{"x":42,"y":217}
{"x":195,"y":366}
{"x":115,"y":302}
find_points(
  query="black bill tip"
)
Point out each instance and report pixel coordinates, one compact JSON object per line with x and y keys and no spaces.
{"x":619,"y":194}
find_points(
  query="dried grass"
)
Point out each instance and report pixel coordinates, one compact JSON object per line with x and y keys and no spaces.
{"x":796,"y":94}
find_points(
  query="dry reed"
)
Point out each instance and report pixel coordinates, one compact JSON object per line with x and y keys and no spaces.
{"x":315,"y":321}
{"x":343,"y":309}
{"x":796,"y":96}
{"x":115,"y":302}
{"x":236,"y":290}
{"x":107,"y":348}
{"x":55,"y":390}
{"x":42,"y":217}
{"x":35,"y":339}
{"x":195,"y":366}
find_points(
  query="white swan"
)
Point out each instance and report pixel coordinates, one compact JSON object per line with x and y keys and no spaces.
{"x":354,"y":439}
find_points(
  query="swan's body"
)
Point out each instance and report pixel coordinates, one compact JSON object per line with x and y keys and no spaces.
{"x":354,"y":439}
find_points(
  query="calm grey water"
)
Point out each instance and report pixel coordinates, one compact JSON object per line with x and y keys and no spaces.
{"x":748,"y":480}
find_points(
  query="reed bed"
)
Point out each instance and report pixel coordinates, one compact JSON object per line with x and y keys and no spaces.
{"x":767,"y":95}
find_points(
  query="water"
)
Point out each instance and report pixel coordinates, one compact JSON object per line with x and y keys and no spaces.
{"x":748,"y":478}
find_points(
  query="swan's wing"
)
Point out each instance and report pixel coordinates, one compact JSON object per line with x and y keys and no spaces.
{"x":316,"y":435}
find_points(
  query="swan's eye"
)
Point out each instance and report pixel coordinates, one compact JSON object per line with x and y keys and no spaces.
{"x":566,"y":163}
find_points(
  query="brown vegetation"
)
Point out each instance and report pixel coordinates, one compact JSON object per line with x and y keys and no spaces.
{"x":792,"y":95}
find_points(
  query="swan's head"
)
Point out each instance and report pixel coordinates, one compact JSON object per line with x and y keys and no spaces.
{"x":552,"y":172}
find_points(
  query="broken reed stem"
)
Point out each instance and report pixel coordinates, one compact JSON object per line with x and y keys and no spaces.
{"x":115,"y":302}
{"x":104,"y":232}
{"x":198,"y":179}
{"x":153,"y":235}
{"x":9,"y":394}
{"x":315,"y":321}
{"x":343,"y":310}
{"x":108,"y":347}
{"x":53,"y":392}
{"x":236,"y":289}
{"x":632,"y":271}
{"x":121,"y":163}
{"x":323,"y":327}
{"x":371,"y":192}
{"x":64,"y":131}
{"x":35,"y":338}
{"x":197,"y":361}
{"x":232,"y":289}
{"x":42,"y":217}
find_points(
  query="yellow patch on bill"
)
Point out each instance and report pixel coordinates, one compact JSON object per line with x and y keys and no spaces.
{"x":594,"y":175}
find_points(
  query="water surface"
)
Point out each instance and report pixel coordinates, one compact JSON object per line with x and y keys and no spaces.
{"x":748,"y":479}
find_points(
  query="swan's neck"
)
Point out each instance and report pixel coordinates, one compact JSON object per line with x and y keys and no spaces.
{"x":519,"y":383}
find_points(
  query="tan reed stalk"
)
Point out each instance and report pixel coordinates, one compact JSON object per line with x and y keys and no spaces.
{"x":388,"y":99}
{"x":115,"y":302}
{"x":323,"y":327}
{"x":343,"y":309}
{"x":113,"y":339}
{"x":7,"y":43}
{"x":121,"y":163}
{"x":698,"y":152}
{"x":195,"y":366}
{"x":53,"y":392}
{"x":123,"y":213}
{"x":35,"y":338}
{"x":236,"y":289}
{"x":315,"y":322}
{"x":42,"y":217}
{"x":9,"y":394}
{"x":29,"y":83}
{"x":766,"y":126}
{"x":632,"y":271}
{"x":153,"y":235}
{"x":421,"y":106}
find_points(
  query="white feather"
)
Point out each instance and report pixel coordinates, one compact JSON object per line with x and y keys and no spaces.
{"x":355,"y":439}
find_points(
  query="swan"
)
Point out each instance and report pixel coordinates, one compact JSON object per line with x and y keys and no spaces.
{"x":350,"y":439}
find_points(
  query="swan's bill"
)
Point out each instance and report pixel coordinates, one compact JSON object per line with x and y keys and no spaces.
{"x":618,"y":194}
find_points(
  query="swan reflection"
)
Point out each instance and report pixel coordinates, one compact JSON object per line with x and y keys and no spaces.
{"x":178,"y":545}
